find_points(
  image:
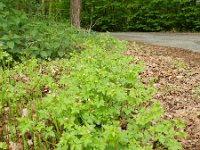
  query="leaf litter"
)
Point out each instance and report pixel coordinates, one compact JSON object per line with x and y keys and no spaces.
{"x":176,"y":73}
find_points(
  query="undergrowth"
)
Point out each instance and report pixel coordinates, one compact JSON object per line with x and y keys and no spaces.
{"x":74,"y":101}
{"x":24,"y":36}
{"x":94,"y":100}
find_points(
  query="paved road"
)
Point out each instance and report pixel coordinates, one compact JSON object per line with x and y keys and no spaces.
{"x":189,"y":41}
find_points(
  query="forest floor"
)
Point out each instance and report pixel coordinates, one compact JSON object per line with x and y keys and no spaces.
{"x":177,"y":79}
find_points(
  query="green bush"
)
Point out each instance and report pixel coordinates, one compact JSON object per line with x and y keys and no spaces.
{"x":94,"y":100}
{"x":21,"y":36}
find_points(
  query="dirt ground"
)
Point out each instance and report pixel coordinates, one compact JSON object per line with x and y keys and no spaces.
{"x":177,"y":77}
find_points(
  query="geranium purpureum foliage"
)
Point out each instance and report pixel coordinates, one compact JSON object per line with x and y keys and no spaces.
{"x":94,"y":100}
{"x":118,"y":15}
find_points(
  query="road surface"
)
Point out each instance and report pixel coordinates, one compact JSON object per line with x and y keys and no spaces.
{"x":190,"y":41}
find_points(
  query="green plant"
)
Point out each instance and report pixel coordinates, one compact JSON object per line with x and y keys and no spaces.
{"x":5,"y":59}
{"x":29,"y":37}
{"x":197,"y":92}
{"x":177,"y":64}
{"x":198,"y":114}
{"x":94,"y":100}
{"x":3,"y":145}
{"x":135,"y":46}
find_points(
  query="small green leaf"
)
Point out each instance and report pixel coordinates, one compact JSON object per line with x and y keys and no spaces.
{"x":179,"y":124}
{"x":3,"y":145}
{"x":5,"y":37}
{"x":11,"y":44}
{"x":2,"y":5}
{"x":61,"y":53}
{"x":44,"y":54}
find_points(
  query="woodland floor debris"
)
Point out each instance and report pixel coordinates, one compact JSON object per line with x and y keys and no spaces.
{"x":176,"y":73}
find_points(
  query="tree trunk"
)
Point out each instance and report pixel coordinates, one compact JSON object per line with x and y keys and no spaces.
{"x":75,"y":8}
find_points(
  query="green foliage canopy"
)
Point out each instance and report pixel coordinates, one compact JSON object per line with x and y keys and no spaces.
{"x":141,"y":15}
{"x":122,"y":15}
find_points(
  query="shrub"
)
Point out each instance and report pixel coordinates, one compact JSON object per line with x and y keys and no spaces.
{"x":25,"y":36}
{"x":94,"y":100}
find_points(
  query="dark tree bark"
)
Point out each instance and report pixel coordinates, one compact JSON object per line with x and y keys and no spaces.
{"x":75,"y":10}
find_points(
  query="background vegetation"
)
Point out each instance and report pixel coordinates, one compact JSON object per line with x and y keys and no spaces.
{"x":120,"y":15}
